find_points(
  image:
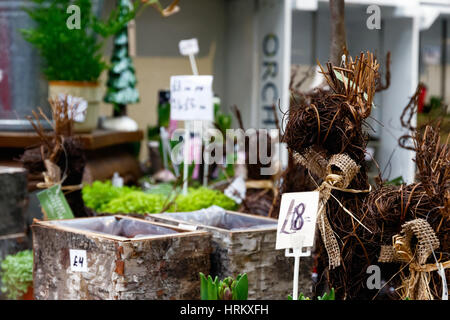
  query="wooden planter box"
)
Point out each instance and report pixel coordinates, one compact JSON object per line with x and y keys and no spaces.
{"x":127,"y":258}
{"x":243,"y":243}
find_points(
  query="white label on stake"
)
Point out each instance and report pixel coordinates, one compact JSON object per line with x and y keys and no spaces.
{"x":191,"y":98}
{"x":188,"y":47}
{"x":78,"y":260}
{"x":297,"y":219}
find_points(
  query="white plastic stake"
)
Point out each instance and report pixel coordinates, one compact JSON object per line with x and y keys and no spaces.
{"x":193,"y":64}
{"x":187,"y":146}
{"x":297,"y":252}
{"x":187,"y":135}
{"x":164,"y":137}
{"x":205,"y":173}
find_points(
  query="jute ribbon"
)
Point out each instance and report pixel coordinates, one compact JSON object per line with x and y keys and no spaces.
{"x":416,"y":285}
{"x":332,"y":179}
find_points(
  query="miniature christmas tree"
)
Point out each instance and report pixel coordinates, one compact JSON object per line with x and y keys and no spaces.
{"x":121,"y":77}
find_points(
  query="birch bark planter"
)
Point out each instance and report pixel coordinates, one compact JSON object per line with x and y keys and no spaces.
{"x":243,"y":243}
{"x":126,"y":258}
{"x":89,"y":91}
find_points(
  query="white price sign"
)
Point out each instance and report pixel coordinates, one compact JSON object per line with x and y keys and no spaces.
{"x":188,"y":47}
{"x":191,"y":98}
{"x":78,"y":260}
{"x":297,"y":219}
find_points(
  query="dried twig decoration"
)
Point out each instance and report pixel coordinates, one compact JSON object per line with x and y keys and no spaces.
{"x":59,"y":159}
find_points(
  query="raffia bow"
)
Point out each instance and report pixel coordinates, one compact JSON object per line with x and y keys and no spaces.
{"x":416,"y":285}
{"x":332,"y":179}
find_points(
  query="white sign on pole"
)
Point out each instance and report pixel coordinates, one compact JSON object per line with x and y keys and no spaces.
{"x":191,"y":98}
{"x":188,"y":47}
{"x":297,"y":219}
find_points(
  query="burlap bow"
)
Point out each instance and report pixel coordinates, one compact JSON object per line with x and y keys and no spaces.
{"x":332,"y":179}
{"x":416,"y":285}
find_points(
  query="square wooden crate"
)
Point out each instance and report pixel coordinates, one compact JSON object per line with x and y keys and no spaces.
{"x":244,"y":243}
{"x":127,"y":258}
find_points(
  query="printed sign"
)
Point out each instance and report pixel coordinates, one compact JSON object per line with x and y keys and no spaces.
{"x":188,"y":47}
{"x":54,"y":203}
{"x":78,"y":260}
{"x":297,"y":219}
{"x":191,"y":98}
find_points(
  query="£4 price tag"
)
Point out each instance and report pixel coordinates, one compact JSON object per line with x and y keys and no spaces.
{"x":78,"y":260}
{"x":297,"y":219}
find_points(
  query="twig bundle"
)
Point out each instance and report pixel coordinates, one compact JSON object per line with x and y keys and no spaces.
{"x":331,"y":121}
{"x":429,"y":199}
{"x":61,"y":148}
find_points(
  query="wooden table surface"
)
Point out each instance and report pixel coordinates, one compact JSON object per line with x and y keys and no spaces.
{"x":91,"y":141}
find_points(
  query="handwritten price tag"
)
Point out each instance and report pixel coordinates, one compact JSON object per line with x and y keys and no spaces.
{"x":191,"y":98}
{"x":78,"y":260}
{"x":297,"y":219}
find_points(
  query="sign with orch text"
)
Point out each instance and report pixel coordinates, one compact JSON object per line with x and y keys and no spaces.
{"x":78,"y":260}
{"x":54,"y":203}
{"x":191,"y":98}
{"x":297,"y":219}
{"x":188,"y":47}
{"x":274,"y":66}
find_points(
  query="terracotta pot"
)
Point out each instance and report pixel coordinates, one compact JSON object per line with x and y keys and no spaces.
{"x":29,"y":295}
{"x":89,"y":91}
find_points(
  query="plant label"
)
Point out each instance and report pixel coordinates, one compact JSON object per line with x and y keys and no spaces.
{"x":78,"y":260}
{"x":188,"y":47}
{"x":54,"y":203}
{"x":191,"y":98}
{"x":297,"y":219}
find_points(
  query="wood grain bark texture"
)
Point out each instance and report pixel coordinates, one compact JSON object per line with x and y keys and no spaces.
{"x":270,"y":273}
{"x":13,"y":200}
{"x":157,"y":268}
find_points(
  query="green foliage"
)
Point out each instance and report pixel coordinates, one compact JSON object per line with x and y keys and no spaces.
{"x":227,"y":289}
{"x":17,"y":274}
{"x":201,"y":198}
{"x":395,"y":182}
{"x":103,"y":197}
{"x":136,"y":202}
{"x":222,"y":120}
{"x":72,"y":54}
{"x":326,"y":296}
{"x":99,"y":194}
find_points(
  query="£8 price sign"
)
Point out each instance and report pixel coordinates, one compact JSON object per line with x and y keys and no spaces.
{"x":297,"y":219}
{"x":191,"y":98}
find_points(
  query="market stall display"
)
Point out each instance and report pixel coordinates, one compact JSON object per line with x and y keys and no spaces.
{"x":243,"y":243}
{"x":124,"y":258}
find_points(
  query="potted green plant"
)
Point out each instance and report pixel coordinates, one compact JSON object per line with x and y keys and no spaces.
{"x":72,"y":45}
{"x":17,"y":275}
{"x":72,"y":49}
